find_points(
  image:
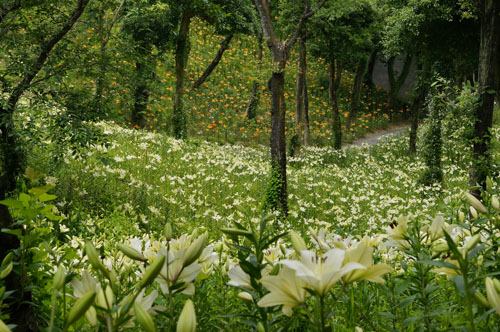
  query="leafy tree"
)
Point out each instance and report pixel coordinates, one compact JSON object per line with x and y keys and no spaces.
{"x":151,"y":34}
{"x":345,"y":32}
{"x":410,"y":28}
{"x":228,"y":17}
{"x":489,"y":85}
{"x":27,"y":41}
{"x":280,"y":50}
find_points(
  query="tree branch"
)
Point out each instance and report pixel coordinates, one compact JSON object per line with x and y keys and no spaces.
{"x":46,"y":48}
{"x":111,"y":24}
{"x":266,"y":22}
{"x":303,"y":19}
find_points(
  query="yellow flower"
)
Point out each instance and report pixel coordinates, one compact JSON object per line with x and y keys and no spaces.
{"x":364,"y":255}
{"x":285,"y":289}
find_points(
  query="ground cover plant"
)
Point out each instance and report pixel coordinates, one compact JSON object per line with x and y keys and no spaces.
{"x":185,"y":166}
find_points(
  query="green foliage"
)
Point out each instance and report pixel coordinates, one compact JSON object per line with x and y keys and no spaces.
{"x":273,"y":190}
{"x":433,"y":143}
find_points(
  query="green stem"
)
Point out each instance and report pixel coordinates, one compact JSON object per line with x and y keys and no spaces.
{"x":468,"y":301}
{"x":322,"y":313}
{"x":53,"y":310}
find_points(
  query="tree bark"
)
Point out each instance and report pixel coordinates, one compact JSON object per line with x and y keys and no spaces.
{"x":181,"y":56}
{"x":301,"y":116}
{"x":489,"y":11}
{"x":336,"y":68}
{"x":141,"y":95}
{"x":397,"y":82}
{"x":278,"y":141}
{"x":251,"y":109}
{"x":371,"y":68}
{"x":415,"y":111}
{"x":356,"y":94}
{"x":223,"y":47}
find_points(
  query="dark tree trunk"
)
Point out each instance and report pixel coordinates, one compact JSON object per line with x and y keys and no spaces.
{"x":181,"y":56}
{"x":336,"y":68}
{"x":488,"y":61}
{"x":141,"y":95}
{"x":278,"y":141}
{"x":371,"y":68}
{"x":415,"y":111}
{"x":397,"y":82}
{"x":279,"y":51}
{"x":356,"y":94}
{"x":301,"y":116}
{"x":253,"y":103}
{"x":223,"y":47}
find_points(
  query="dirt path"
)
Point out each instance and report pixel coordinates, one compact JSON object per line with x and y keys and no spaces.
{"x":375,"y":137}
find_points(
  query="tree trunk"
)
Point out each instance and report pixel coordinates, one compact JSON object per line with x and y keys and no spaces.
{"x":278,"y":141}
{"x":301,"y":118}
{"x":488,"y":60}
{"x":223,"y":47}
{"x":253,"y":103}
{"x":181,"y":56}
{"x":397,"y":82}
{"x":415,"y":115}
{"x":371,"y":68}
{"x":334,"y":84}
{"x":356,"y":94}
{"x":141,"y":95}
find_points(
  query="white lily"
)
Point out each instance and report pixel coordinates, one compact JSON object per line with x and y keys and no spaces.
{"x":285,"y":289}
{"x":321,"y":273}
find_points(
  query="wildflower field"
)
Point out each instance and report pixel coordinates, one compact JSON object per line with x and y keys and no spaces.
{"x":187,"y":166}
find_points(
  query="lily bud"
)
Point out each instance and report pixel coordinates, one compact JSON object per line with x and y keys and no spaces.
{"x":131,"y":252}
{"x":481,"y":299}
{"x":297,"y":242}
{"x":152,"y":271}
{"x":495,"y":203}
{"x":473,"y":212}
{"x":195,"y":249}
{"x":144,"y":318}
{"x":59,"y":277}
{"x":461,"y":216}
{"x":168,"y":231}
{"x":260,"y":327}
{"x":94,"y":260}
{"x":493,"y":296}
{"x":80,"y":308}
{"x":473,"y":201}
{"x":235,"y":231}
{"x":187,"y":319}
{"x":245,"y":296}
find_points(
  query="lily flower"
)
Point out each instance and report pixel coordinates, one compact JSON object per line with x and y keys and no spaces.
{"x":321,"y":273}
{"x":363,"y":254}
{"x":285,"y":289}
